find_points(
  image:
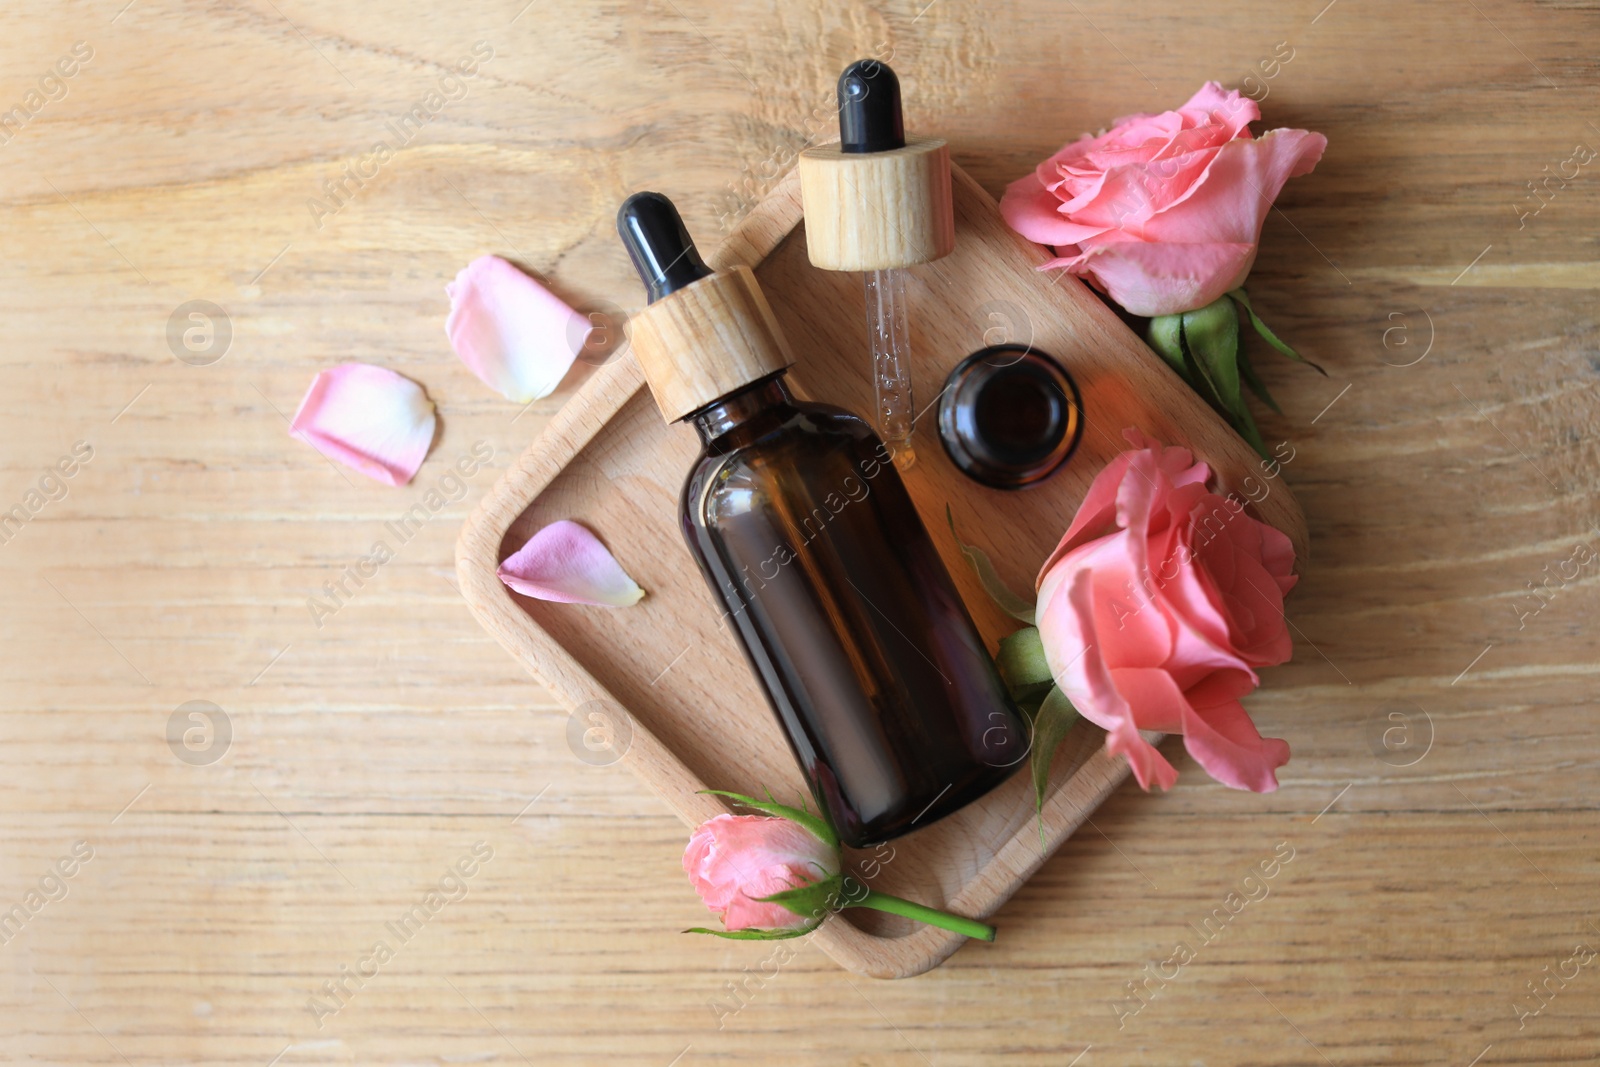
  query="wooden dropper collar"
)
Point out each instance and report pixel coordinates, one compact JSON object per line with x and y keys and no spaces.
{"x":705,"y":334}
{"x":875,"y":200}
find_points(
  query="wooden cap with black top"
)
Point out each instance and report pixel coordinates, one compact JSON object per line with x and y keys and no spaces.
{"x":875,"y":200}
{"x":705,"y":334}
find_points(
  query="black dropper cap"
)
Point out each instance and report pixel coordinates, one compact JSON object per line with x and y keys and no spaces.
{"x":658,"y":243}
{"x":869,"y":108}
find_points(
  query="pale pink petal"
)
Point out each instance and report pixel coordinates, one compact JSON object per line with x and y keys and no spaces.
{"x":368,"y":418}
{"x":566,"y":563}
{"x":1129,"y":196}
{"x":1098,"y":513}
{"x":1128,"y":627}
{"x":1094,"y":516}
{"x":510,"y":331}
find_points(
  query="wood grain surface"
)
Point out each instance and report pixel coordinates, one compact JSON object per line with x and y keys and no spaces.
{"x":1439,"y":810}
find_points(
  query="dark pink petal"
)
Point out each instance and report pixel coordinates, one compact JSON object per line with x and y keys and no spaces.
{"x":1154,"y":699}
{"x":566,"y":563}
{"x":368,"y":418}
{"x":1277,"y":555}
{"x":1201,"y":641}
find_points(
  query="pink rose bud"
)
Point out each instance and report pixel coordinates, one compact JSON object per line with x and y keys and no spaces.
{"x":738,"y":863}
{"x":1156,"y":609}
{"x":733,"y":860}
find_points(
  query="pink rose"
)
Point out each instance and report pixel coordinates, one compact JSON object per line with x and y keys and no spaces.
{"x":733,"y":859}
{"x":1156,"y":609}
{"x":1163,"y":212}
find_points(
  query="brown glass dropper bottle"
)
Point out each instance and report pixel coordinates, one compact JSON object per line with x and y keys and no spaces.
{"x":819,"y":561}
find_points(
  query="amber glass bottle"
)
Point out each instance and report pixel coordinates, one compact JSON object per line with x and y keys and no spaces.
{"x":824,"y":570}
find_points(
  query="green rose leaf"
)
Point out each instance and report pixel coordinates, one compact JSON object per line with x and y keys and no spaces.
{"x":1267,"y":335}
{"x":1050,"y":725}
{"x":1245,"y":423}
{"x":752,"y":935}
{"x":1211,"y":338}
{"x":1255,"y":383}
{"x":812,"y":901}
{"x":1017,"y":607}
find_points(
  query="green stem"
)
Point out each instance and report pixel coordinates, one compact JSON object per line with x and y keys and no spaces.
{"x":853,"y":897}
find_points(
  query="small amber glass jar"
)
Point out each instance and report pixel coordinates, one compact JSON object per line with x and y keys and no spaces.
{"x":1009,"y":416}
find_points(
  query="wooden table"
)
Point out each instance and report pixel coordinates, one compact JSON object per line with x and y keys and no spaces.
{"x":1440,"y":807}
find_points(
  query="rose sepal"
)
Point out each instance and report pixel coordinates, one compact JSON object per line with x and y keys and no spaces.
{"x":816,"y":824}
{"x":1023,"y":666}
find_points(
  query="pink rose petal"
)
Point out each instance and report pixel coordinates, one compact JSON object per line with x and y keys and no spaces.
{"x":566,"y":563}
{"x":512,"y":332}
{"x":1231,"y":202}
{"x":1151,"y":279}
{"x":368,"y":418}
{"x":1039,"y":218}
{"x":1218,"y":733}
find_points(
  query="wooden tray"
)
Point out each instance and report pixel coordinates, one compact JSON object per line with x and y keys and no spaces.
{"x":676,"y":687}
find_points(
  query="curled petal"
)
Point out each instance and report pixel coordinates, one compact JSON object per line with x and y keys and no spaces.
{"x":1232,"y":201}
{"x":566,"y":563}
{"x":1218,"y":733}
{"x":510,"y":331}
{"x":1098,"y":510}
{"x":1069,"y":623}
{"x":368,"y":418}
{"x":1228,"y":108}
{"x":1034,"y":212}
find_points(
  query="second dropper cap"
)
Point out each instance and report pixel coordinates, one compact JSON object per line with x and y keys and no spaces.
{"x":875,"y":199}
{"x":706,"y":333}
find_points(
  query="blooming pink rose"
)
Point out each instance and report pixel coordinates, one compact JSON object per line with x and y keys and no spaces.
{"x":733,"y":859}
{"x":1163,"y":212}
{"x":1156,"y":609}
